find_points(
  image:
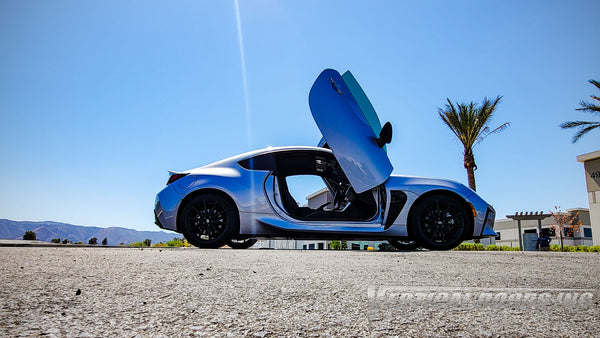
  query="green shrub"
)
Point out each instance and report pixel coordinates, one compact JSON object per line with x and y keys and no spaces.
{"x":571,"y":248}
{"x":177,"y":242}
{"x":29,"y":236}
{"x":338,"y":245}
{"x":462,"y":247}
{"x":494,"y":247}
{"x":56,"y":240}
{"x":137,"y":244}
{"x":466,"y":246}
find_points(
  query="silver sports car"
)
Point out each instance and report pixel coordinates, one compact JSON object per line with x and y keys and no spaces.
{"x":255,"y":195}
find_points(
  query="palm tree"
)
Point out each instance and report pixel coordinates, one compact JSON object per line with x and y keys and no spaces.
{"x":469,"y":123}
{"x":585,"y":126}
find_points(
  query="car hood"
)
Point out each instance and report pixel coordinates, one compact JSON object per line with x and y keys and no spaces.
{"x":350,"y":127}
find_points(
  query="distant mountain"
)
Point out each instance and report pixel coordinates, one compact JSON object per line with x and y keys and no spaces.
{"x":46,"y":231}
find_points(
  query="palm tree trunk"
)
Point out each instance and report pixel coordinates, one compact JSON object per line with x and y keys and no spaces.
{"x":471,"y":166}
{"x":471,"y":177}
{"x":469,"y":162}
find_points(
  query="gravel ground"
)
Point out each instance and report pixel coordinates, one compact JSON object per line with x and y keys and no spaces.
{"x":188,"y":292}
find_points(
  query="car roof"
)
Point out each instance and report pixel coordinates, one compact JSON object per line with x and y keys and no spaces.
{"x":234,"y":159}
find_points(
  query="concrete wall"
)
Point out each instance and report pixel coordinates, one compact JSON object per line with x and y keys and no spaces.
{"x":591,"y":163}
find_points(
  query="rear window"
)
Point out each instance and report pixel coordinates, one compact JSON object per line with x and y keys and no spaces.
{"x":260,"y":162}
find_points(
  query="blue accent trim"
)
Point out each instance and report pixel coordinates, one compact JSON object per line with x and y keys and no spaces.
{"x":488,"y":232}
{"x":363,"y":103}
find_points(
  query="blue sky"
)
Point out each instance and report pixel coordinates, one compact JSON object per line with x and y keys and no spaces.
{"x":98,"y":99}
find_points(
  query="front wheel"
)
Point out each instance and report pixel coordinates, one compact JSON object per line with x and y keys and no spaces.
{"x":439,"y":222}
{"x":209,"y":221}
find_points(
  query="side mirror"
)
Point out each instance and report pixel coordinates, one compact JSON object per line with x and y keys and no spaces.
{"x":385,"y":136}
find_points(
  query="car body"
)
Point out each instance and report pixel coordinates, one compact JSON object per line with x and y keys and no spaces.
{"x":248,"y":196}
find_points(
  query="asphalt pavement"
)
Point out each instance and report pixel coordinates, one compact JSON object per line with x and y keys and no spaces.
{"x":85,"y":291}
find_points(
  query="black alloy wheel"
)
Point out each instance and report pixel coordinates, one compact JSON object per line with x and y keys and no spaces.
{"x":439,"y":222}
{"x":209,"y":221}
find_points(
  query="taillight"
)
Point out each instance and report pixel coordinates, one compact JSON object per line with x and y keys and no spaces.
{"x":175,"y":177}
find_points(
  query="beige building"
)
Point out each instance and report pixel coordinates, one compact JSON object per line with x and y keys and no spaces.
{"x":508,"y":234}
{"x":591,"y":164}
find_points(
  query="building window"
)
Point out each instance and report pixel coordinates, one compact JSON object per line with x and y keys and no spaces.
{"x":587,"y":232}
{"x":355,"y":246}
{"x":311,"y":246}
{"x":304,"y":247}
{"x":498,"y":237}
{"x":568,"y":232}
{"x":321,"y":246}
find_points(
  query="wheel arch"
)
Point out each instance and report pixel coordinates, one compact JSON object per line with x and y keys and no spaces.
{"x":468,"y":208}
{"x":203,"y":191}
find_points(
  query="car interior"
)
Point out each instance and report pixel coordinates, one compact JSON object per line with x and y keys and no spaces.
{"x":343,"y":202}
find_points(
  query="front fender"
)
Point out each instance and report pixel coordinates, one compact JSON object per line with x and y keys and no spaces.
{"x":416,"y":187}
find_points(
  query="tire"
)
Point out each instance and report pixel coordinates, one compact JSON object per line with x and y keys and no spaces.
{"x":241,"y":243}
{"x":439,"y":222}
{"x":209,"y":221}
{"x":403,"y":245}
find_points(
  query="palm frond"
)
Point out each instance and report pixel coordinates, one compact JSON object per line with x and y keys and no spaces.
{"x":585,"y":126}
{"x":589,"y":107}
{"x":468,"y":121}
{"x":495,"y":131}
{"x":584,"y":131}
{"x":451,"y":118}
{"x":501,"y":128}
{"x":574,"y":124}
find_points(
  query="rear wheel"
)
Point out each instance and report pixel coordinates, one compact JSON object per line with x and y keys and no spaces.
{"x":241,"y":243}
{"x":439,"y":222}
{"x":209,"y":221}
